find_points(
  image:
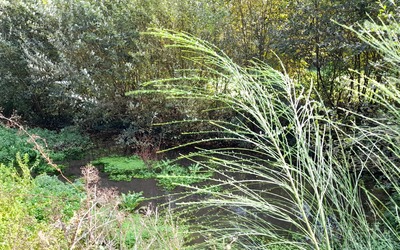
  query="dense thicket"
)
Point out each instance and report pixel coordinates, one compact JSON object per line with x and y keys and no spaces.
{"x":316,"y":157}
{"x":66,"y":62}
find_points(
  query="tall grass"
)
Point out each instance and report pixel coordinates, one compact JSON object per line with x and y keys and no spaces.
{"x":291,"y":177}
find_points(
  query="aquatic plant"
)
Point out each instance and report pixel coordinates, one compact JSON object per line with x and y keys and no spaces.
{"x":168,"y":173}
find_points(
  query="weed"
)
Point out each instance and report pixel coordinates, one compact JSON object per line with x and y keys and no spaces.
{"x":19,"y":227}
{"x":171,"y":175}
{"x":67,"y":144}
{"x":101,"y":224}
{"x":46,"y":189}
{"x":131,"y":200}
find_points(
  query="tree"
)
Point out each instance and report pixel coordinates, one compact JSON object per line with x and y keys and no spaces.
{"x":312,"y":41}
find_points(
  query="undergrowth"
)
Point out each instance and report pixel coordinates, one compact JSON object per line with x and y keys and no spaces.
{"x":45,"y":213}
{"x":27,"y":222}
{"x":68,"y":144}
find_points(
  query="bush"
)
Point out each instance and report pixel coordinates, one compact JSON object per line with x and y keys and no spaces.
{"x":65,"y":145}
{"x":13,"y":141}
{"x":51,"y":197}
{"x":19,"y":229}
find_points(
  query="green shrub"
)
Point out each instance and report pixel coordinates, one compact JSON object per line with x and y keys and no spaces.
{"x":19,"y":229}
{"x":67,"y":144}
{"x":49,"y":196}
{"x":13,"y":141}
{"x":64,"y":145}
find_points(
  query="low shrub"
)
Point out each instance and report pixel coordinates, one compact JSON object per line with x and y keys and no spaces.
{"x":67,"y":144}
{"x":11,"y":142}
{"x":44,"y":213}
{"x":47,"y":189}
{"x":64,"y":145}
{"x":19,"y":229}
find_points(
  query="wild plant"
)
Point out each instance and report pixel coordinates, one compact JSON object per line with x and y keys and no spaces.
{"x":102,"y":224}
{"x":22,"y":224}
{"x":42,"y":145}
{"x":290,"y":175}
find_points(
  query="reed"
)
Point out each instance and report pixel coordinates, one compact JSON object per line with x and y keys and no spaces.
{"x":291,"y":177}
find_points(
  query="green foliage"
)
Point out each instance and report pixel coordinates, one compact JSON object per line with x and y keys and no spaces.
{"x":168,"y":173}
{"x":131,"y":200}
{"x":19,"y":229}
{"x":122,"y":168}
{"x":72,"y":62}
{"x":13,"y":141}
{"x":48,"y":189}
{"x":392,"y":212}
{"x":65,"y":145}
{"x":45,"y":213}
{"x":151,"y":232}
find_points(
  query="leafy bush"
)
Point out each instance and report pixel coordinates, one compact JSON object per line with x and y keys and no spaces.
{"x":44,"y":213}
{"x":48,"y":189}
{"x":19,"y":229}
{"x":13,"y":141}
{"x":67,"y":144}
{"x":64,"y":145}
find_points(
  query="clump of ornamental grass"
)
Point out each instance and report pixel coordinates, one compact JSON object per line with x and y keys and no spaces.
{"x":290,"y":177}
